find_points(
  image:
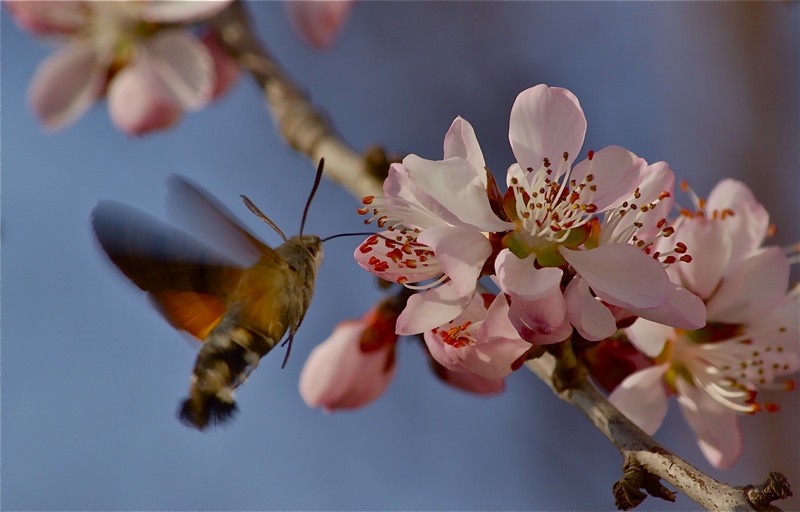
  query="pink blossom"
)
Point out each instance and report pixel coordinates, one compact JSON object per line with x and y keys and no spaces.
{"x":354,"y":365}
{"x":480,"y":340}
{"x":318,"y":21}
{"x":438,"y":218}
{"x":752,"y":338}
{"x":132,"y":51}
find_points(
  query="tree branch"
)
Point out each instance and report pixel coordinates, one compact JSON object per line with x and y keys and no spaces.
{"x":642,"y":454}
{"x":301,"y":125}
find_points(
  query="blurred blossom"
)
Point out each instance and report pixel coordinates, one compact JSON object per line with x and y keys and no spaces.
{"x":354,"y":365}
{"x":135,"y":52}
{"x":318,"y":21}
{"x":752,"y":337}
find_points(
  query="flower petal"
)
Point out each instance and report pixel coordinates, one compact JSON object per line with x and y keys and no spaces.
{"x":588,"y":315}
{"x":137,"y":106}
{"x":642,"y":398}
{"x":460,"y":141}
{"x":226,"y":70}
{"x":430,"y":309}
{"x":182,"y":65}
{"x":709,"y":244}
{"x":541,"y":321}
{"x":458,"y":187}
{"x":621,"y":274}
{"x":468,"y":381}
{"x":520,"y":278}
{"x":45,"y":18}
{"x":650,"y":337}
{"x":462,"y":251}
{"x":546,"y":122}
{"x":615,"y":172}
{"x":65,"y":85}
{"x":178,"y":11}
{"x":752,"y":288}
{"x":716,"y":426}
{"x":682,"y":310}
{"x":750,"y":222}
{"x":318,"y":22}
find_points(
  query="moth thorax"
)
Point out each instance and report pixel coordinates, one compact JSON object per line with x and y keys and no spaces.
{"x":302,"y":251}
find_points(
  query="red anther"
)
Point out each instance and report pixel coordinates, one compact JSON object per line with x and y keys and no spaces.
{"x":661,"y":223}
{"x":404,"y":280}
{"x":373,"y":260}
{"x":637,"y":194}
{"x":701,"y":203}
{"x":669,"y":260}
{"x":686,"y":213}
{"x":591,"y":208}
{"x":684,"y":185}
{"x":464,"y":326}
{"x":680,"y":248}
{"x":363,"y":211}
{"x":772,"y":229}
{"x":367,"y":221}
{"x":565,"y":156}
{"x":589,"y":177}
{"x":381,"y":266}
{"x":644,"y":208}
{"x":364,"y":248}
{"x":382,"y":221}
{"x":790,"y":385}
{"x":395,"y":255}
{"x":686,"y":258}
{"x":590,"y":154}
{"x":772,"y":407}
{"x":423,"y":259}
{"x":545,"y":161}
{"x":664,"y":195}
{"x":667,"y":231}
{"x":367,"y":199}
{"x":410,"y":263}
{"x":406,"y":248}
{"x":728,"y":213}
{"x":593,"y":188}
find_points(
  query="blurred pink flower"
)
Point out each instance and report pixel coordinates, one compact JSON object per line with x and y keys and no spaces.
{"x":133,"y":51}
{"x":354,"y":365}
{"x":318,"y":21}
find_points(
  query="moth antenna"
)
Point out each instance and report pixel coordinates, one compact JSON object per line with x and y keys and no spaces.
{"x":258,"y":213}
{"x":288,"y":341}
{"x":317,"y":179}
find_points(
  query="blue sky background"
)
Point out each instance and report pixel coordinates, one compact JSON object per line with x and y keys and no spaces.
{"x":92,"y":376}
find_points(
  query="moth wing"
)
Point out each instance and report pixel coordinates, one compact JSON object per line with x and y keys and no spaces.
{"x":188,"y":282}
{"x":192,"y":207}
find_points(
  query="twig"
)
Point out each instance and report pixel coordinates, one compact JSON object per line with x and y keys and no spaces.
{"x":302,"y":126}
{"x":643,"y":454}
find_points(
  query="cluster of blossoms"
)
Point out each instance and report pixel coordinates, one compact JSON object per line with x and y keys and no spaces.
{"x":575,"y":251}
{"x":142,"y":56}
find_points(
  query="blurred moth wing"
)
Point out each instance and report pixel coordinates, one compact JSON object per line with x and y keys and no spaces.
{"x":239,"y":309}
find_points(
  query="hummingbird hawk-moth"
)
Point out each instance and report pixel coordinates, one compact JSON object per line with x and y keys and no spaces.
{"x":240,"y":311}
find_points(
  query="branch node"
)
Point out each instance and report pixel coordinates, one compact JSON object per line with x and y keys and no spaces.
{"x":775,"y":487}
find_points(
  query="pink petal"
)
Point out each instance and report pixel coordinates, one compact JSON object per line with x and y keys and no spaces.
{"x":716,"y":426}
{"x":498,"y":345}
{"x":338,"y":375}
{"x":650,"y":337}
{"x":541,"y":321}
{"x":615,"y":172}
{"x":546,"y":122}
{"x":318,"y":22}
{"x":46,"y":18}
{"x":750,"y":222}
{"x":381,"y":256}
{"x":458,"y":187}
{"x":520,"y":278}
{"x":65,"y":85}
{"x":621,"y":274}
{"x":226,"y":70}
{"x":462,"y":253}
{"x":137,"y":106}
{"x":181,"y":65}
{"x":460,"y":141}
{"x":752,"y":288}
{"x":642,"y":398}
{"x":780,"y":328}
{"x":181,"y":11}
{"x":683,"y":310}
{"x":709,"y":244}
{"x":588,"y":315}
{"x":470,"y":382}
{"x":430,"y":309}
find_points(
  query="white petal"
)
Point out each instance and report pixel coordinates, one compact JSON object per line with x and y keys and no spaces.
{"x":183,"y":66}
{"x":460,"y":141}
{"x":642,"y":398}
{"x":590,"y":317}
{"x":622,"y":275}
{"x":137,"y":105}
{"x":749,"y":224}
{"x":431,"y":309}
{"x":546,"y":122}
{"x":716,"y":427}
{"x":709,"y":244}
{"x":615,"y":172}
{"x":458,"y":187}
{"x":65,"y":85}
{"x":462,"y":251}
{"x":752,"y":288}
{"x":177,"y":11}
{"x":520,"y":278}
{"x":650,"y":337}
